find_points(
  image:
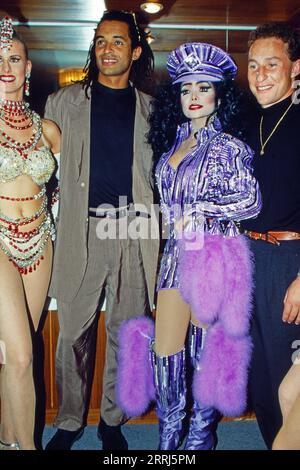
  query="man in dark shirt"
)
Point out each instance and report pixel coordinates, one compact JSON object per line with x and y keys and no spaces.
{"x":106,"y":176}
{"x":274,"y":63}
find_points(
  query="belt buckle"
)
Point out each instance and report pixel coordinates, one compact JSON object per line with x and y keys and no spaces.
{"x":122,"y":213}
{"x":99,"y":214}
{"x":272,"y":239}
{"x":111,"y":214}
{"x":116,"y":214}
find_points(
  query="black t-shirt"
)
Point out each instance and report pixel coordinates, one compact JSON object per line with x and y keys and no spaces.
{"x":111,"y":148}
{"x":278,"y":170}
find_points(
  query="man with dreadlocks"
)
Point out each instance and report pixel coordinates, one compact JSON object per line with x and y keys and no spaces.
{"x":106,"y":173}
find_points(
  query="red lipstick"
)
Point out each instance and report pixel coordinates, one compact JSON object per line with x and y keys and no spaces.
{"x":194,"y":107}
{"x":7,"y":78}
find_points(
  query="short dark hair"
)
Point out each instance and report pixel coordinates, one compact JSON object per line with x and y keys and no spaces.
{"x":142,"y":68}
{"x":280,"y":30}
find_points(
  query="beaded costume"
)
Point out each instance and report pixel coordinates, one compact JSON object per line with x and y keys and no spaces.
{"x":24,"y":248}
{"x":39,"y":165}
{"x":214,"y":180}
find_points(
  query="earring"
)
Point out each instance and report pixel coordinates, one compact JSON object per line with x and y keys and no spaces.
{"x":26,"y":88}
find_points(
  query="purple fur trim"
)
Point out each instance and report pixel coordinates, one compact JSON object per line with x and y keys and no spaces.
{"x":188,"y":261}
{"x":222,"y":379}
{"x":201,"y":274}
{"x":237,"y":306}
{"x":135,"y":387}
{"x":216,"y":281}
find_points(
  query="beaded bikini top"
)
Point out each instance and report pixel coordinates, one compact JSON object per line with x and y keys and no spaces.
{"x":23,"y":158}
{"x":39,"y":164}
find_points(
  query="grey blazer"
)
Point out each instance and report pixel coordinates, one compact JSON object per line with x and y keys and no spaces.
{"x":70,"y":109}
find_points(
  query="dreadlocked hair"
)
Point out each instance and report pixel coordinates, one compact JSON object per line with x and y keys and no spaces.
{"x":142,"y":68}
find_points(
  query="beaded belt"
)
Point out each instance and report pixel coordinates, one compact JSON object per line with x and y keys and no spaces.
{"x":35,"y":197}
{"x":274,"y":237}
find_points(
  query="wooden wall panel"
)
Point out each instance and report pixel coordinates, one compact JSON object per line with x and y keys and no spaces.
{"x":50,"y":401}
{"x":50,"y":336}
{"x":70,"y":38}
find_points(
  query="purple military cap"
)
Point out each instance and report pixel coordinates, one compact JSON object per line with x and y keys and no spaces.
{"x":201,"y":62}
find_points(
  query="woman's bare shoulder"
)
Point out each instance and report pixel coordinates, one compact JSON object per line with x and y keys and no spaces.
{"x":52,"y":134}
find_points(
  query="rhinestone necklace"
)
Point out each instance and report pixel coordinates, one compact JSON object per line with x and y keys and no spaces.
{"x":15,"y":108}
{"x":25,"y":147}
{"x":16,"y":114}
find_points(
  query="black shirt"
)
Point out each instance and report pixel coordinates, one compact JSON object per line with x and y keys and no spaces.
{"x":111,"y":149}
{"x":278,"y":170}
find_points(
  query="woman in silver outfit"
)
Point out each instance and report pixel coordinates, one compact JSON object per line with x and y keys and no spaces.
{"x":27,"y":147}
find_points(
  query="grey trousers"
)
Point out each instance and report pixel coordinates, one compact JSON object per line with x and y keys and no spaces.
{"x":115,"y":269}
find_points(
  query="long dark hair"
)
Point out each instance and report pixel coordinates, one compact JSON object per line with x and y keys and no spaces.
{"x":141,"y":70}
{"x":167,"y":114}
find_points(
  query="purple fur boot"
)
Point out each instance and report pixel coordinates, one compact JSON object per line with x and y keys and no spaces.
{"x":222,"y":382}
{"x":201,"y":435}
{"x":170,"y":384}
{"x":135,"y":387}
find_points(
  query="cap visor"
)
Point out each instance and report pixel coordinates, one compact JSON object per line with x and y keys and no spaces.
{"x":198,"y":77}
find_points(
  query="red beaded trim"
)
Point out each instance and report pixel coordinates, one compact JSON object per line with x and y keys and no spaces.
{"x":17,"y":199}
{"x":26,"y":249}
{"x":30,"y":268}
{"x":18,"y":128}
{"x":28,"y":234}
{"x":15,"y":108}
{"x":14,"y":227}
{"x":55,"y":196}
{"x":22,"y":147}
{"x":16,"y":121}
{"x":9,"y":118}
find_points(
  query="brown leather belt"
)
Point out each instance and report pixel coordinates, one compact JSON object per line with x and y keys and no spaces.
{"x":273,"y":236}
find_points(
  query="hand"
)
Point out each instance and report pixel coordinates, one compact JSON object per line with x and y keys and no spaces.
{"x":291,"y":311}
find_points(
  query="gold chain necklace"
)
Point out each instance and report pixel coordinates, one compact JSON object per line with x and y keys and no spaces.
{"x":263,"y":144}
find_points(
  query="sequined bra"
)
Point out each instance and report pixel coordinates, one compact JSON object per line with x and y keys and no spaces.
{"x":39,"y":164}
